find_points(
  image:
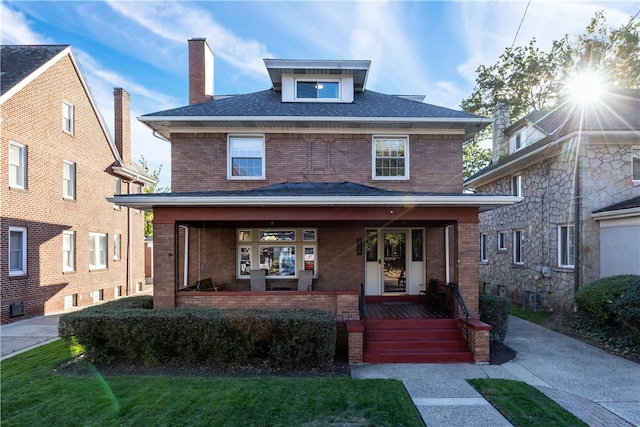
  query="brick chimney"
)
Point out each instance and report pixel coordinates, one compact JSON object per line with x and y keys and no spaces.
{"x":200,"y":71}
{"x":500,"y":123}
{"x":122,"y":117}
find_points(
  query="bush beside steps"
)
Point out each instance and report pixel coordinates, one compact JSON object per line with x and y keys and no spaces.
{"x":130,"y":331}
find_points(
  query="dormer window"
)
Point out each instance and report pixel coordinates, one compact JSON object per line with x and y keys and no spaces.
{"x":317,"y":89}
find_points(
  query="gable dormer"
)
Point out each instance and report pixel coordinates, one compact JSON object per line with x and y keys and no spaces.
{"x":317,"y":81}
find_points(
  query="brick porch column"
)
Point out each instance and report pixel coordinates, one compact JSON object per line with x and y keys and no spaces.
{"x":164,"y":293}
{"x":468,"y":267}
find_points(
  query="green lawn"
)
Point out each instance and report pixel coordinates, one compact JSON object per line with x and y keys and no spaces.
{"x":33,"y":393}
{"x":524,"y":405}
{"x":538,"y":317}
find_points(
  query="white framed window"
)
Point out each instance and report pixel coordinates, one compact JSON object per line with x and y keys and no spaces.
{"x":97,"y":251}
{"x":518,"y":257}
{"x":67,"y":117}
{"x":483,"y":247}
{"x":516,"y":185}
{"x":17,"y":251}
{"x":17,"y":165}
{"x":390,"y":157}
{"x":502,"y":240}
{"x":635,"y":164}
{"x":245,"y":157}
{"x":68,"y":179}
{"x":68,"y":251}
{"x":318,"y":89}
{"x":117,"y":240}
{"x":280,"y":252}
{"x":566,"y":246}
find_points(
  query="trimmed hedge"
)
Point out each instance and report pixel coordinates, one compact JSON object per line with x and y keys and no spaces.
{"x":602,"y":301}
{"x":290,"y":339}
{"x":495,"y":310}
{"x":628,"y":307}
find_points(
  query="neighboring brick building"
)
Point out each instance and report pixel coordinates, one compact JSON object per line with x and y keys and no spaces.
{"x":578,"y":171}
{"x":63,"y":245}
{"x":316,"y":173}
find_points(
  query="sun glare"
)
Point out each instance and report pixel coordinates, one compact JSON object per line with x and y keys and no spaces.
{"x":586,"y":87}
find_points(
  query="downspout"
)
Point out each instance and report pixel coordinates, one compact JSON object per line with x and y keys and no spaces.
{"x":129,"y":254}
{"x":185,"y":273}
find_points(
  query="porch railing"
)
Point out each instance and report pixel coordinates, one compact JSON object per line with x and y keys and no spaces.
{"x":461,"y":306}
{"x":362,"y":306}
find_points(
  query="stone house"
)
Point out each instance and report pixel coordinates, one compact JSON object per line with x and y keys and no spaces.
{"x":316,"y":174}
{"x":577,"y":169}
{"x":63,"y":245}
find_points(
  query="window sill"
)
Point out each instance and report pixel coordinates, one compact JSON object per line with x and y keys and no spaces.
{"x":19,"y":275}
{"x":502,"y":251}
{"x":517,"y":265}
{"x":484,"y":262}
{"x":65,"y":272}
{"x":19,"y":189}
{"x":69,"y":199}
{"x":97,"y":269}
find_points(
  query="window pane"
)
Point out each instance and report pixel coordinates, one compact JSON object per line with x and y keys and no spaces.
{"x":16,"y":165}
{"x":246,"y":156}
{"x":309,"y":235}
{"x":278,"y":260}
{"x":330,"y":90}
{"x":309,"y":259}
{"x":636,"y":165}
{"x":271,"y":235}
{"x":372,"y":246}
{"x":68,"y":180}
{"x":390,"y":157}
{"x":15,"y":250}
{"x":307,"y":90}
{"x":245,"y":261}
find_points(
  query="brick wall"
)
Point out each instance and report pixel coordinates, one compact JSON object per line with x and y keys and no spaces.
{"x":33,"y":117}
{"x":199,"y":162}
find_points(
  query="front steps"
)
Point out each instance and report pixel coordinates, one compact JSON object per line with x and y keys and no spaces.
{"x":415,"y":341}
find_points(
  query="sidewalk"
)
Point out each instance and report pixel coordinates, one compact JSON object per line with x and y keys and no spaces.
{"x":23,"y":335}
{"x":601,"y":389}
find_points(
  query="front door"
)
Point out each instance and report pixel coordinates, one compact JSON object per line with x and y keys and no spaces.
{"x":394,"y":250}
{"x":394,"y":261}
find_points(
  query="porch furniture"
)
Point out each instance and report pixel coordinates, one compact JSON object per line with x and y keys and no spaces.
{"x":206,"y":285}
{"x":258,"y":281}
{"x":436,"y":294}
{"x":305,"y":280}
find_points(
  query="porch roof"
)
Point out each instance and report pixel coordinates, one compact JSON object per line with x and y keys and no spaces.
{"x":327,"y":194}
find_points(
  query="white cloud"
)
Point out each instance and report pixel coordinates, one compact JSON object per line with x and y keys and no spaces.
{"x":15,"y":29}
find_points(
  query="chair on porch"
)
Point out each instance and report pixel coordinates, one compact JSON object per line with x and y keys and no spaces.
{"x":435,"y":297}
{"x":305,"y":280}
{"x":258,"y":281}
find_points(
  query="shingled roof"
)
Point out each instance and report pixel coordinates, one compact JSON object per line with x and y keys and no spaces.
{"x":18,"y":62}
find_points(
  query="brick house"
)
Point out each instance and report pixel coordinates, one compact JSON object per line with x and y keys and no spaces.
{"x":63,"y":244}
{"x":315,"y":173}
{"x":578,"y":170}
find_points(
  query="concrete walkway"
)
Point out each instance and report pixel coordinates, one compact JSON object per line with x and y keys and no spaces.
{"x":601,"y":389}
{"x":597,"y":387}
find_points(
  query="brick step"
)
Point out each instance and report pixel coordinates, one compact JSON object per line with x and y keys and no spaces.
{"x":413,"y":334}
{"x":417,"y":345}
{"x":374,"y":324}
{"x":411,"y":356}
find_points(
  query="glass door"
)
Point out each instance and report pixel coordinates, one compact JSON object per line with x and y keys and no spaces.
{"x":395,"y":261}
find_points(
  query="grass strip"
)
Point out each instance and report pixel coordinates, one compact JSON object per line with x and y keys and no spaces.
{"x":537,"y":317}
{"x":33,"y":393}
{"x":524,"y":405}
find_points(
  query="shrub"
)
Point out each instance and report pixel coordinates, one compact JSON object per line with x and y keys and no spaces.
{"x":495,"y":310}
{"x":293,"y":339}
{"x":627,"y":307}
{"x":597,"y":301}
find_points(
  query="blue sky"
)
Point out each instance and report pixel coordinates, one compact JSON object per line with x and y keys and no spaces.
{"x":427,"y":48}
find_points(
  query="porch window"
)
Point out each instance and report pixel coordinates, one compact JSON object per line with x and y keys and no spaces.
{"x":245,"y":157}
{"x":372,"y":246}
{"x":566,"y":249}
{"x":390,"y":157}
{"x":280,"y":252}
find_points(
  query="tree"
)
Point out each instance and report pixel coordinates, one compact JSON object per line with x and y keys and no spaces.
{"x":475,"y":157}
{"x":153,"y":188}
{"x":527,"y":78}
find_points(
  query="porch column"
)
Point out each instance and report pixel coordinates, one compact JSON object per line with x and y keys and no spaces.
{"x":164,"y":293}
{"x":468,"y":267}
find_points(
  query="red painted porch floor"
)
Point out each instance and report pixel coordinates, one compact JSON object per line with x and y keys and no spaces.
{"x":404,"y":310}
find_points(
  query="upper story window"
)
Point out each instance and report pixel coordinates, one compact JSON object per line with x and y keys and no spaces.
{"x":67,"y":117}
{"x":390,"y":157}
{"x":318,"y":89}
{"x":635,"y":164}
{"x":116,"y":246}
{"x":17,"y":165}
{"x":516,"y":185}
{"x":68,"y":179}
{"x":17,"y":251}
{"x":245,"y":157}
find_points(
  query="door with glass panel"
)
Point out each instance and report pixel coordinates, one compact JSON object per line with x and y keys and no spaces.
{"x":394,"y":252}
